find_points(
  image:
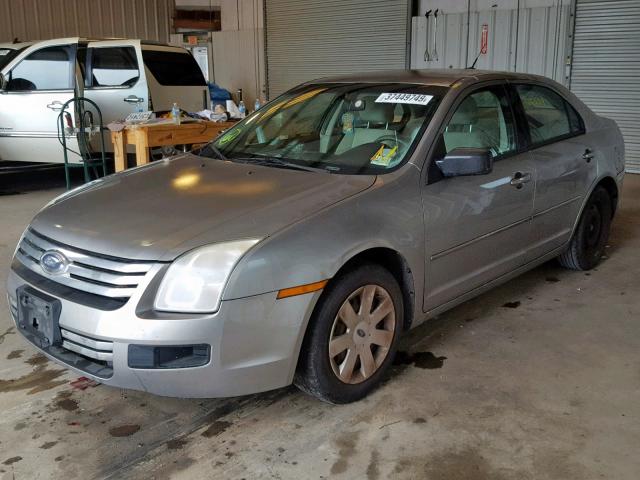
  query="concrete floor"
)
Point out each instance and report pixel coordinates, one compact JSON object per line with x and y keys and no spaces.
{"x":538,"y":379}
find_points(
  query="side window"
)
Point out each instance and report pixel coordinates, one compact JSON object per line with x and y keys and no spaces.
{"x":548,"y":115}
{"x":46,"y":69}
{"x":482,"y":120}
{"x":171,"y":68}
{"x":114,"y":67}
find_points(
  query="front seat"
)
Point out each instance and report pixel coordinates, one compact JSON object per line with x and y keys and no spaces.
{"x":369,"y":124}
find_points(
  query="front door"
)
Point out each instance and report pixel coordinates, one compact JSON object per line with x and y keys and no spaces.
{"x":37,"y":86}
{"x":477,"y":227}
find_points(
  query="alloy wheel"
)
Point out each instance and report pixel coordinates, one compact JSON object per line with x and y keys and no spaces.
{"x":362,"y":334}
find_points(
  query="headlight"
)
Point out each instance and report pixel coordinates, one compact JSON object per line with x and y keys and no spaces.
{"x":194,"y":282}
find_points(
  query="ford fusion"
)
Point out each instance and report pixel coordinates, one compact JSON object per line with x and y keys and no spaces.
{"x":303,"y":242}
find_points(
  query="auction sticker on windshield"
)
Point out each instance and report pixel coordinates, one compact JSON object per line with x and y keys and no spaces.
{"x":413,"y":98}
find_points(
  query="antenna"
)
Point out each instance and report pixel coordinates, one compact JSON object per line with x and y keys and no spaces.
{"x":473,"y":65}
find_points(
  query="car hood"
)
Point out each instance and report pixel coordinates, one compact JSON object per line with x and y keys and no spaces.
{"x":161,"y":210}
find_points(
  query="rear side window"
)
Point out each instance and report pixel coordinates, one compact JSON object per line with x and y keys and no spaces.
{"x":113,"y":67}
{"x":46,"y":69}
{"x":173,"y":68}
{"x":548,"y":115}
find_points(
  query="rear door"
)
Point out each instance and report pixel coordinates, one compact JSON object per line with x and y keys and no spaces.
{"x":477,"y":227}
{"x":38,"y":83}
{"x":563,"y":161}
{"x":115,"y":79}
{"x":174,"y":76}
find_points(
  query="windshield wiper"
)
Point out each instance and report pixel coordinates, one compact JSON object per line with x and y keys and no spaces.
{"x":215,"y":150}
{"x":276,"y":162}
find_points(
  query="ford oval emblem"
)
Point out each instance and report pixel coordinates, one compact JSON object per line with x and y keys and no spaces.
{"x":54,"y":262}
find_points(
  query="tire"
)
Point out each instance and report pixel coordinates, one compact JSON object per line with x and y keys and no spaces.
{"x":590,"y":237}
{"x":328,"y":377}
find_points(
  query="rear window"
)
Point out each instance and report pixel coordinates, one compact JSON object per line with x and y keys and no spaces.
{"x":173,"y":68}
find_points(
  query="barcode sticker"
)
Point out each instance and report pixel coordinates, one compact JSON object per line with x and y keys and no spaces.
{"x":413,"y":98}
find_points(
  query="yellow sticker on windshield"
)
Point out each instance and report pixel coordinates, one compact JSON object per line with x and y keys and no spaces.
{"x":384,"y":155}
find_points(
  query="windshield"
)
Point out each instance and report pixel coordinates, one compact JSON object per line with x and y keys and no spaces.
{"x":341,"y":128}
{"x":8,"y":54}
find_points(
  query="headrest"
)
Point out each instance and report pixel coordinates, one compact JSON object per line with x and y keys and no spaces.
{"x":377,"y":113}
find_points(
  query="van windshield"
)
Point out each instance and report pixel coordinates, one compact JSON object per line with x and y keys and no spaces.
{"x":347,"y":128}
{"x":8,"y":54}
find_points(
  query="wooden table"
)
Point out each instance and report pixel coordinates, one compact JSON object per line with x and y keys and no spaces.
{"x":161,"y":134}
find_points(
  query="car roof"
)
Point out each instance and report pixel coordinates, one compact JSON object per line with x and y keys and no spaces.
{"x":20,"y":45}
{"x":15,"y":46}
{"x":439,"y":77}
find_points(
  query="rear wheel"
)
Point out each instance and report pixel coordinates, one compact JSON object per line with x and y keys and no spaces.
{"x":352,"y":336}
{"x":590,"y":238}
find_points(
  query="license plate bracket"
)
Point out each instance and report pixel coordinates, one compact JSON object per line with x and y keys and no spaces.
{"x":39,"y":314}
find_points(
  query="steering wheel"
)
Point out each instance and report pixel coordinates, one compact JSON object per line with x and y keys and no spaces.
{"x":391,"y":141}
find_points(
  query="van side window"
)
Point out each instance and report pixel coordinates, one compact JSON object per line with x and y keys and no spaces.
{"x":482,"y":120}
{"x":46,"y":69}
{"x":548,"y":115}
{"x":114,"y":67}
{"x":171,"y":68}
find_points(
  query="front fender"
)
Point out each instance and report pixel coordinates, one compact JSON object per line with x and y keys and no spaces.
{"x":316,"y":248}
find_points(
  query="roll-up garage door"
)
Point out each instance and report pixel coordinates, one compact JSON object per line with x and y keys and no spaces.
{"x":606,"y":66}
{"x":307,"y":39}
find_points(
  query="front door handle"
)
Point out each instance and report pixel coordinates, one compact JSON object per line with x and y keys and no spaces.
{"x":587,"y":155}
{"x":56,"y":106}
{"x":519,"y":179}
{"x":133,"y":99}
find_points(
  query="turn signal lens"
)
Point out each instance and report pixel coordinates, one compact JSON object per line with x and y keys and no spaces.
{"x":302,"y":289}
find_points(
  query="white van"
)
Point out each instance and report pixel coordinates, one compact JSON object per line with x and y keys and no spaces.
{"x":121,"y":76}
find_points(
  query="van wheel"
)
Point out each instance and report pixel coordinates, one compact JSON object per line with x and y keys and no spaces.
{"x":590,"y":238}
{"x":352,"y":336}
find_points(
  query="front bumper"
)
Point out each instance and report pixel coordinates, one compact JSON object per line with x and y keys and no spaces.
{"x":255,"y":342}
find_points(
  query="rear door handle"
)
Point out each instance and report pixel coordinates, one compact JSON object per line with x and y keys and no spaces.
{"x":519,"y":179}
{"x":56,"y":106}
{"x":133,"y":99}
{"x":587,"y":155}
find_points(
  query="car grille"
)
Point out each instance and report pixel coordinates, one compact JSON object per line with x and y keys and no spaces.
{"x":13,"y":307}
{"x":102,"y":275}
{"x":101,"y":350}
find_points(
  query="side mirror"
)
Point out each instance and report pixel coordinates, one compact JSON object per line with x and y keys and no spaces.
{"x":466,"y":161}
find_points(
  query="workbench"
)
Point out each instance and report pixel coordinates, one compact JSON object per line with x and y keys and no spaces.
{"x":145,"y":136}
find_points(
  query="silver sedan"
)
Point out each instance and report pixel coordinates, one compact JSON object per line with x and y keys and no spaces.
{"x":300,"y":244}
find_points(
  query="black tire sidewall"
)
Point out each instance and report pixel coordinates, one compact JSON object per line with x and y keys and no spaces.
{"x":589,"y":257}
{"x":316,"y":375}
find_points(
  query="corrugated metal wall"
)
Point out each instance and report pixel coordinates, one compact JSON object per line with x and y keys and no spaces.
{"x":45,"y":19}
{"x":307,"y":39}
{"x":606,"y":66}
{"x":524,"y":36}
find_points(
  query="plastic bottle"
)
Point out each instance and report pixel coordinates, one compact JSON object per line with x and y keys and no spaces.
{"x":243,"y":109}
{"x":257,"y":105}
{"x":175,"y":114}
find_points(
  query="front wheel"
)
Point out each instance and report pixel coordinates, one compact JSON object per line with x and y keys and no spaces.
{"x":352,"y":336}
{"x":590,"y":238}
